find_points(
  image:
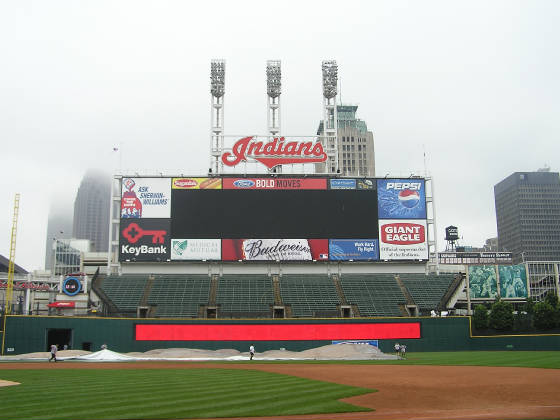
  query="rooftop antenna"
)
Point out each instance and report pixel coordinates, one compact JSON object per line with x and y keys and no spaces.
{"x":425,"y":167}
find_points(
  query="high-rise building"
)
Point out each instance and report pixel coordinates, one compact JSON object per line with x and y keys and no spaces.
{"x":355,"y":144}
{"x":528,"y":215}
{"x":59,"y":227}
{"x":91,"y":210}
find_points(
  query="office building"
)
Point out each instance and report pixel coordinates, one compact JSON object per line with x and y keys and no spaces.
{"x":355,"y":144}
{"x":91,"y":210}
{"x":528,"y":215}
{"x":59,"y":226}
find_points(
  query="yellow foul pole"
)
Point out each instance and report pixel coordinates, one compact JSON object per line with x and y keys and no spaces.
{"x":10,"y":285}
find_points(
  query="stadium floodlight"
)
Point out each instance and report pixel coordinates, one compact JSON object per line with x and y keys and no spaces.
{"x":330,"y":78}
{"x":217,"y":78}
{"x":273,"y":78}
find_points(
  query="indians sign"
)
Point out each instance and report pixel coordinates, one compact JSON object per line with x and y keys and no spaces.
{"x":275,"y":152}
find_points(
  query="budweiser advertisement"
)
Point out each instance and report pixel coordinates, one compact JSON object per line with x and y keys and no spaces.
{"x":274,"y":152}
{"x":275,"y":183}
{"x":403,"y":240}
{"x":275,"y":249}
{"x":196,"y":183}
{"x":145,"y":198}
{"x":144,"y":240}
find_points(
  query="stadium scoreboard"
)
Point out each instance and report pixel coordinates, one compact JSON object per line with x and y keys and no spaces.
{"x":272,"y":218}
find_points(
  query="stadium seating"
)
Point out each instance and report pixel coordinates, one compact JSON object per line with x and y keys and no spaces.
{"x":427,"y":291}
{"x":125,"y":291}
{"x":373,"y":294}
{"x":309,"y":295}
{"x":179,"y":295}
{"x":244,"y":296}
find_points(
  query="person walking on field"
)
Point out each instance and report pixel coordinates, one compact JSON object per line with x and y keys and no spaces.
{"x":251,"y":352}
{"x":397,"y":349}
{"x":54,"y":349}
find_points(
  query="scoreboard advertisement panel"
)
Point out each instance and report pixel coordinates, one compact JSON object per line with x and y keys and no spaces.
{"x":276,"y":218}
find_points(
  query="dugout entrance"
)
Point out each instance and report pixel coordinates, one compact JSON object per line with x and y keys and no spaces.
{"x":60,"y":337}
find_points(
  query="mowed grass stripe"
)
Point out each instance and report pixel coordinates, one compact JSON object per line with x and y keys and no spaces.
{"x":165,"y":393}
{"x":196,"y":397}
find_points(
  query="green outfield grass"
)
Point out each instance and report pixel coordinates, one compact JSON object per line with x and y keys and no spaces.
{"x":529,"y":359}
{"x":87,"y":394}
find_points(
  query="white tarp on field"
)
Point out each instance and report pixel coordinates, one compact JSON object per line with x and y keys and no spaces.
{"x":342,"y":351}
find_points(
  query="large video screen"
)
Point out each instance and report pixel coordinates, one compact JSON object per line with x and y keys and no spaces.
{"x":272,"y":218}
{"x":337,"y":214}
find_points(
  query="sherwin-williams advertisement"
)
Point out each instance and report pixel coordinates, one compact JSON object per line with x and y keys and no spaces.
{"x":403,"y":240}
{"x":146,"y":198}
{"x":144,"y":240}
{"x":353,"y":249}
{"x":275,"y":249}
{"x":401,"y":198}
{"x":196,"y":249}
{"x":483,"y":283}
{"x":513,"y":281}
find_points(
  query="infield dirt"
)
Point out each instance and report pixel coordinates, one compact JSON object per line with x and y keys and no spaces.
{"x":404,"y":392}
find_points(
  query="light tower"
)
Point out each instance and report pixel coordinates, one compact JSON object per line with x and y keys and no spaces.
{"x":273,"y":90}
{"x":330,"y":126}
{"x":217,"y":90}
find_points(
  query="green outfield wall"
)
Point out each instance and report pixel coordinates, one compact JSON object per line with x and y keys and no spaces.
{"x":27,"y":334}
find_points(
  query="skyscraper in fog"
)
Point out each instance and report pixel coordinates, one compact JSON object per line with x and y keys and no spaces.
{"x":355,"y":144}
{"x":59,"y":227}
{"x":91,"y":210}
{"x":528,"y":215}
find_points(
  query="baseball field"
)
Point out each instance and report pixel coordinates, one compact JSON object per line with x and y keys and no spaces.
{"x":457,"y":385}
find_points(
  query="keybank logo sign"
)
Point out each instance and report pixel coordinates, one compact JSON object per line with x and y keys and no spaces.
{"x":144,"y":240}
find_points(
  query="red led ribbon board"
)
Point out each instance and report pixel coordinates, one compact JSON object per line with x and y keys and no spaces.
{"x":268,"y":332}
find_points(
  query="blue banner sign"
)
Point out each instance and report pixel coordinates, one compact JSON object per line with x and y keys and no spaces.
{"x":374,"y":343}
{"x":343,"y":184}
{"x":354,"y":249}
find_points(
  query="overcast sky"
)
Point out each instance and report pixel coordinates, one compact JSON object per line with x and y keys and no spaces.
{"x":475,"y":84}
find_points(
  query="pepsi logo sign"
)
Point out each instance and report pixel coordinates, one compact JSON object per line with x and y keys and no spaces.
{"x":415,"y":186}
{"x":403,"y":233}
{"x":409,"y":198}
{"x":185,"y":183}
{"x":244,"y":183}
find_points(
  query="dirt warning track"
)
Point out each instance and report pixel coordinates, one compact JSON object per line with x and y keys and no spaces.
{"x":404,"y":392}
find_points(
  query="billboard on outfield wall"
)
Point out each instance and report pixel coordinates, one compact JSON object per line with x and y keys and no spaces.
{"x":483,"y":282}
{"x":513,"y":281}
{"x":143,"y":198}
{"x":401,"y":198}
{"x":486,"y":280}
{"x":273,"y":218}
{"x":403,"y":240}
{"x":196,"y":249}
{"x":353,"y":249}
{"x":275,"y":249}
